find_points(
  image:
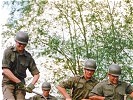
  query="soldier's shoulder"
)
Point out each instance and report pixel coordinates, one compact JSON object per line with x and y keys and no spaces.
{"x":124,"y":83}
{"x":103,"y":82}
{"x":28,"y":53}
{"x":95,"y":80}
{"x":9,"y":49}
{"x":76,"y":77}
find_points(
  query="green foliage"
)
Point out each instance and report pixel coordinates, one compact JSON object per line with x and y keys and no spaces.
{"x":73,"y":30}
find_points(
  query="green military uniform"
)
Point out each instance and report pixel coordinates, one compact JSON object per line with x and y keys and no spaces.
{"x":18,"y":64}
{"x":112,"y":92}
{"x":38,"y":97}
{"x":80,"y":87}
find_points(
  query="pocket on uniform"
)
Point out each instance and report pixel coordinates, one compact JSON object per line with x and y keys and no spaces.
{"x":21,"y":71}
{"x":108,"y":93}
{"x":22,"y":68}
{"x":121,"y":92}
{"x":6,"y":87}
{"x":80,"y":86}
{"x":121,"y":95}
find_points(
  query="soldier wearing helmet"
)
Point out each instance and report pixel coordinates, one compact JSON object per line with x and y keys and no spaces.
{"x":115,"y":70}
{"x":80,"y":85}
{"x":46,"y":87}
{"x":16,"y":60}
{"x":22,"y":37}
{"x":112,"y":88}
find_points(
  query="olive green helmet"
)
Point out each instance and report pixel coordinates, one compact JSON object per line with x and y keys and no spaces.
{"x":46,"y":86}
{"x":115,"y":70}
{"x":22,"y":37}
{"x":90,"y":64}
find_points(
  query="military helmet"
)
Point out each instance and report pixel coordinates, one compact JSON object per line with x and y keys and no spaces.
{"x":114,"y":69}
{"x":22,"y":37}
{"x":90,"y":64}
{"x":46,"y":86}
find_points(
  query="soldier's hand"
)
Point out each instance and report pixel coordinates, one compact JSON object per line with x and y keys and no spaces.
{"x":30,"y":87}
{"x":20,"y":85}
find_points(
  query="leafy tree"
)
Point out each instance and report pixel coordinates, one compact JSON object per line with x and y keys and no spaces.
{"x":71,"y":30}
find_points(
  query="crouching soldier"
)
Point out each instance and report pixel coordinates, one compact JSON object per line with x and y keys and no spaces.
{"x":46,"y":87}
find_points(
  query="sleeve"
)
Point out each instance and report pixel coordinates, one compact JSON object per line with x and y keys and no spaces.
{"x":97,"y":90}
{"x":6,"y":59}
{"x":129,"y":89}
{"x":68,"y":84}
{"x":32,"y":67}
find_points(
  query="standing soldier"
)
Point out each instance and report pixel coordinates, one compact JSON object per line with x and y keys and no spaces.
{"x":16,"y":60}
{"x":112,"y":88}
{"x":46,"y":87}
{"x":80,"y":85}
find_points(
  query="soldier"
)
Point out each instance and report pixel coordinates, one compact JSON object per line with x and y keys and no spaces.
{"x":46,"y":87}
{"x":80,"y":85}
{"x":16,"y":60}
{"x":112,"y":88}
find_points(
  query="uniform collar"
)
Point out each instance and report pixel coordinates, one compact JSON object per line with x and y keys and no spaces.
{"x":49,"y":97}
{"x":119,"y":82}
{"x":92,"y":79}
{"x":24,"y":53}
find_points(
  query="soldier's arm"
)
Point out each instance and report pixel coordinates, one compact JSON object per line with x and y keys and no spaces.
{"x":97,"y":93}
{"x":35,"y":79}
{"x":6,"y":66}
{"x":10,"y":75}
{"x":96,"y":97}
{"x":34,"y":71}
{"x":131,"y":95}
{"x":64,"y":92}
{"x":129,"y":90}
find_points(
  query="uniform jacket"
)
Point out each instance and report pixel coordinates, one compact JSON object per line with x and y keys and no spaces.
{"x":111,"y":92}
{"x":18,"y":64}
{"x":38,"y":97}
{"x":80,"y":87}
